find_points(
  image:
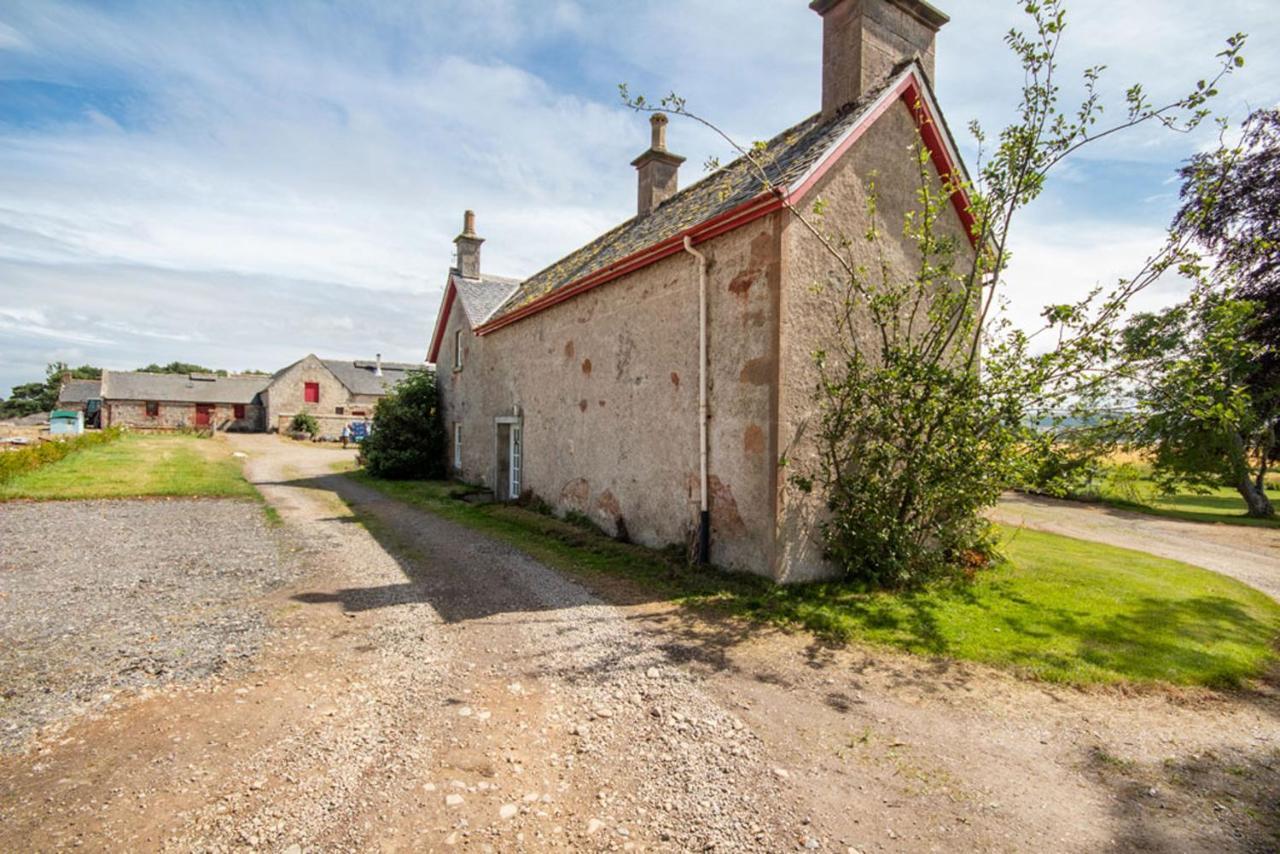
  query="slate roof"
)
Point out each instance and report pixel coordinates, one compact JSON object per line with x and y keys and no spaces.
{"x":80,"y":391}
{"x":481,"y":297}
{"x":786,"y":158}
{"x":359,"y":376}
{"x":182,"y":388}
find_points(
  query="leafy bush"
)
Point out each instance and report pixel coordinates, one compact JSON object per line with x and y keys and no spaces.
{"x":14,"y":463}
{"x":304,"y":422}
{"x":408,"y":438}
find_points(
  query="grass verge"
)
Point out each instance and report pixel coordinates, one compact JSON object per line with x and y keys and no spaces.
{"x":1058,"y":609}
{"x":137,"y":466}
{"x":1131,"y":488}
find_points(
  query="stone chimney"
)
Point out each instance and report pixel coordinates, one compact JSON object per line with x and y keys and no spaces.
{"x":377,"y":366}
{"x":468,"y":243}
{"x":656,"y":169}
{"x":862,"y":40}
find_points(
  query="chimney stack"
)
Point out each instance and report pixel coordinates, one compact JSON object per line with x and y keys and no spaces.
{"x":656,"y":169}
{"x":377,"y":366}
{"x":862,"y":40}
{"x":468,"y":243}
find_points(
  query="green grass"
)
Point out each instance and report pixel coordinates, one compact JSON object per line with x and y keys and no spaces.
{"x":134,"y":466}
{"x":1221,"y":505}
{"x":1058,"y":609}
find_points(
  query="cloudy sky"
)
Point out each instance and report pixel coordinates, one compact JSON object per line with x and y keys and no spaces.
{"x":239,"y":184}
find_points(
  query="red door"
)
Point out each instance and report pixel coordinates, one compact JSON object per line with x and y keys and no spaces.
{"x":204,"y":414}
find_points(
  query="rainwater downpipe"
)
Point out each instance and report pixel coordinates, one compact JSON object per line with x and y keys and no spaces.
{"x":704,"y":515}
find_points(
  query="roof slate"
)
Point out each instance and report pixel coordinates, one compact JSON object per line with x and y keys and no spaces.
{"x":359,"y":376}
{"x":481,"y":297}
{"x":786,"y":158}
{"x":182,"y":388}
{"x":79,"y":391}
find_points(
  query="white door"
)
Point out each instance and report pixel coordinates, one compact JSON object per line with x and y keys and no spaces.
{"x":516,"y":452}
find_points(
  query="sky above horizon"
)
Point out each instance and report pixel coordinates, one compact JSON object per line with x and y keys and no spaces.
{"x":238,"y":184}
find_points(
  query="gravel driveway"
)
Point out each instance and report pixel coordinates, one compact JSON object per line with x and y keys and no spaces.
{"x":1248,"y":554}
{"x":422,"y":687}
{"x":102,"y":596}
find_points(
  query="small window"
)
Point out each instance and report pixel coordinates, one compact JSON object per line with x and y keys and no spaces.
{"x":457,"y":444}
{"x":357,"y":413}
{"x":238,"y":411}
{"x":457,"y":349}
{"x":337,"y":410}
{"x":153,"y":408}
{"x":311,"y":393}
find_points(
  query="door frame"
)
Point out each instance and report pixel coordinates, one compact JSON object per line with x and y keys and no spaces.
{"x":503,"y":480}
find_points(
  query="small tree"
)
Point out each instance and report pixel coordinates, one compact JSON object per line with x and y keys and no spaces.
{"x":1189,"y":368}
{"x":305,"y":422}
{"x":408,"y":437}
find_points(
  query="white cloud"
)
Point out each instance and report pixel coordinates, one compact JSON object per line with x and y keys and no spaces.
{"x":291,"y":178}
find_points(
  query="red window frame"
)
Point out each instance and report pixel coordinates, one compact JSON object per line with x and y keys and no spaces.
{"x":153,"y":409}
{"x":311,"y":392}
{"x":238,"y":411}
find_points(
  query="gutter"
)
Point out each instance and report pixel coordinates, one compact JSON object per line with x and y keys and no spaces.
{"x":704,"y":513}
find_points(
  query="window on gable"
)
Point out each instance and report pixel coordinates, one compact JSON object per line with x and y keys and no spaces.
{"x":311,"y":393}
{"x":457,"y":349}
{"x":238,"y":411}
{"x":153,"y":408}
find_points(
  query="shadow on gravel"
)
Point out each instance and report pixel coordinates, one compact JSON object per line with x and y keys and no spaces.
{"x":461,"y":574}
{"x":1228,"y":793}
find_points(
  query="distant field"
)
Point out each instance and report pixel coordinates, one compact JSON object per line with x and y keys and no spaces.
{"x":171,"y":465}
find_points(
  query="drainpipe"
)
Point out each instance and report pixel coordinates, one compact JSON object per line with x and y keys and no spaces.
{"x":704,"y":515}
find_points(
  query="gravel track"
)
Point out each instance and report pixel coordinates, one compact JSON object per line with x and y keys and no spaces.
{"x":420,"y":687}
{"x":100,"y":597}
{"x":514,"y":710}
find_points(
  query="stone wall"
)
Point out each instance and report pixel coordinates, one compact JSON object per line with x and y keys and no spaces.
{"x":813,"y":294}
{"x":607,"y":387}
{"x":174,"y":415}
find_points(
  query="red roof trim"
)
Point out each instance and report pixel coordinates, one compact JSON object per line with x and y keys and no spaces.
{"x":442,"y":319}
{"x":931,"y":134}
{"x":908,"y":89}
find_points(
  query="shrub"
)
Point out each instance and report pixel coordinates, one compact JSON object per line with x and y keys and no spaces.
{"x":305,"y":422}
{"x":408,"y":438}
{"x":14,"y":463}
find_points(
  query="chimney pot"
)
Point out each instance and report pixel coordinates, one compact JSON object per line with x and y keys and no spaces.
{"x":468,"y":244}
{"x":863,"y":40}
{"x":377,"y":365}
{"x":657,"y":170}
{"x":658,"y":131}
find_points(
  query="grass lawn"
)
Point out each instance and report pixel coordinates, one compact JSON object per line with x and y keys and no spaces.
{"x":134,"y":466}
{"x":1223,"y":504}
{"x":1059,"y":609}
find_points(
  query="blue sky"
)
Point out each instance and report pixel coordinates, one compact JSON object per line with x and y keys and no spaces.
{"x":239,"y":184}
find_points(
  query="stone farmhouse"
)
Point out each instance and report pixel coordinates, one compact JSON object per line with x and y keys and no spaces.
{"x":657,"y":378}
{"x":334,"y":391}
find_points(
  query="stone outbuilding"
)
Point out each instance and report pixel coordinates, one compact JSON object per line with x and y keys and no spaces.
{"x":84,"y":396}
{"x":147,"y":401}
{"x":334,"y":391}
{"x":660,"y":378}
